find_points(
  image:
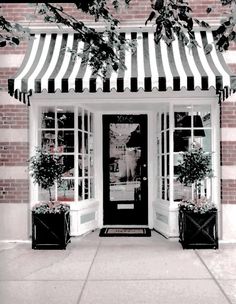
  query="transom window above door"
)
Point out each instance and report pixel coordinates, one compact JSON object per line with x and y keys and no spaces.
{"x":67,"y":131}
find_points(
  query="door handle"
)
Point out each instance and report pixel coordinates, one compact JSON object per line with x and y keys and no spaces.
{"x":144,"y":178}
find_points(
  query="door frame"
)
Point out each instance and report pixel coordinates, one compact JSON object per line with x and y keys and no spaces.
{"x":98,"y":165}
{"x":141,"y":209}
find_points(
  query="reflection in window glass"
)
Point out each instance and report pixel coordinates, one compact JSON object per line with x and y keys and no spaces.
{"x":47,"y":118}
{"x":182,"y":116}
{"x":65,"y":118}
{"x":91,"y":165}
{"x":168,"y":189}
{"x":162,"y":142}
{"x":86,"y":188}
{"x":182,"y":192}
{"x":66,"y":191}
{"x":80,"y":189}
{"x":80,"y":165}
{"x":181,"y":140}
{"x":86,"y":168}
{"x":91,"y":122}
{"x":43,"y":195}
{"x":85,"y":142}
{"x":48,"y":141}
{"x":125,"y":161}
{"x":204,"y":141}
{"x":163,"y":165}
{"x":80,"y":142}
{"x":162,"y":121}
{"x":80,"y":118}
{"x":92,"y":188}
{"x":204,"y":112}
{"x":68,"y":162}
{"x":163,"y":188}
{"x":66,"y":141}
{"x":86,"y":120}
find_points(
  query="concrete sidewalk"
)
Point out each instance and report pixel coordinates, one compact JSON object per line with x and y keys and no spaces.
{"x":117,"y":271}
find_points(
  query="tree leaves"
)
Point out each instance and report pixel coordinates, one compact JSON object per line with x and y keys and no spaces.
{"x":45,"y":169}
{"x":194,"y":167}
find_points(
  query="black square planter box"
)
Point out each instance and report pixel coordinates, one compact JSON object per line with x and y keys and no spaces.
{"x":198,"y":231}
{"x":50,"y":230}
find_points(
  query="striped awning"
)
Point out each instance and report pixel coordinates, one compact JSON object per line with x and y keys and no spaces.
{"x":49,"y":66}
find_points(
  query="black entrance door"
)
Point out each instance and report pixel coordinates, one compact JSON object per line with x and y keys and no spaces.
{"x":125,"y":169}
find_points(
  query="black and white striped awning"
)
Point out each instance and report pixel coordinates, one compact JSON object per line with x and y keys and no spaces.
{"x":49,"y":66}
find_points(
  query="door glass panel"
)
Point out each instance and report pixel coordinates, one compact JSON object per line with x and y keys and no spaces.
{"x":125,"y":166}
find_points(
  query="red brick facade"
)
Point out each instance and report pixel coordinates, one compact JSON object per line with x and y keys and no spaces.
{"x":14,"y":116}
{"x":9,"y":191}
{"x":13,"y":153}
{"x":228,"y":191}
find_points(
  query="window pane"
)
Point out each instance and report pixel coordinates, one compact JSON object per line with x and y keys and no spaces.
{"x":168,"y":164}
{"x":80,"y":147}
{"x":204,"y":141}
{"x":163,"y":165}
{"x":80,"y":165}
{"x":91,"y":166}
{"x":47,"y":118}
{"x":48,"y":141}
{"x":167,"y":141}
{"x":86,"y":165}
{"x":43,"y":195}
{"x":92,"y":188}
{"x":177,"y":160}
{"x":86,"y":120}
{"x":167,"y":120}
{"x":66,"y":191}
{"x":68,"y":162}
{"x":168,"y":189}
{"x":86,"y":188}
{"x":90,"y":143}
{"x":162,"y":142}
{"x":181,"y":141}
{"x":203,"y":111}
{"x":91,"y":122}
{"x":182,"y":116}
{"x":181,"y":192}
{"x":163,"y":188}
{"x":80,"y":189}
{"x":66,"y":141}
{"x":162,"y":121}
{"x":65,"y":118}
{"x":80,"y":119}
{"x":86,"y":143}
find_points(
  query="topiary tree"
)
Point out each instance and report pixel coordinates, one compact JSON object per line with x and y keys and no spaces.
{"x":194,"y":168}
{"x":45,"y":170}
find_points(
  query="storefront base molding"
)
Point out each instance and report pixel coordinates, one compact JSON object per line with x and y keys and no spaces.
{"x":14,"y":219}
{"x":166,"y":219}
{"x":83,"y":217}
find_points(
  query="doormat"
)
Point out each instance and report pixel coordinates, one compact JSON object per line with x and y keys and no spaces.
{"x":108,"y":232}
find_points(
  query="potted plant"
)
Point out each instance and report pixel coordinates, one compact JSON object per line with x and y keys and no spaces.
{"x":198,"y":215}
{"x":50,"y":220}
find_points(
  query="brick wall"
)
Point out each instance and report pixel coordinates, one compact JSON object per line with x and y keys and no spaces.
{"x":14,"y":191}
{"x":14,"y":153}
{"x":14,"y":116}
{"x":228,"y":152}
{"x":228,"y":191}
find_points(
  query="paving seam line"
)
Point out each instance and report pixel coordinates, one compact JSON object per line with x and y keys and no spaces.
{"x":213,"y":277}
{"x":90,"y":267}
